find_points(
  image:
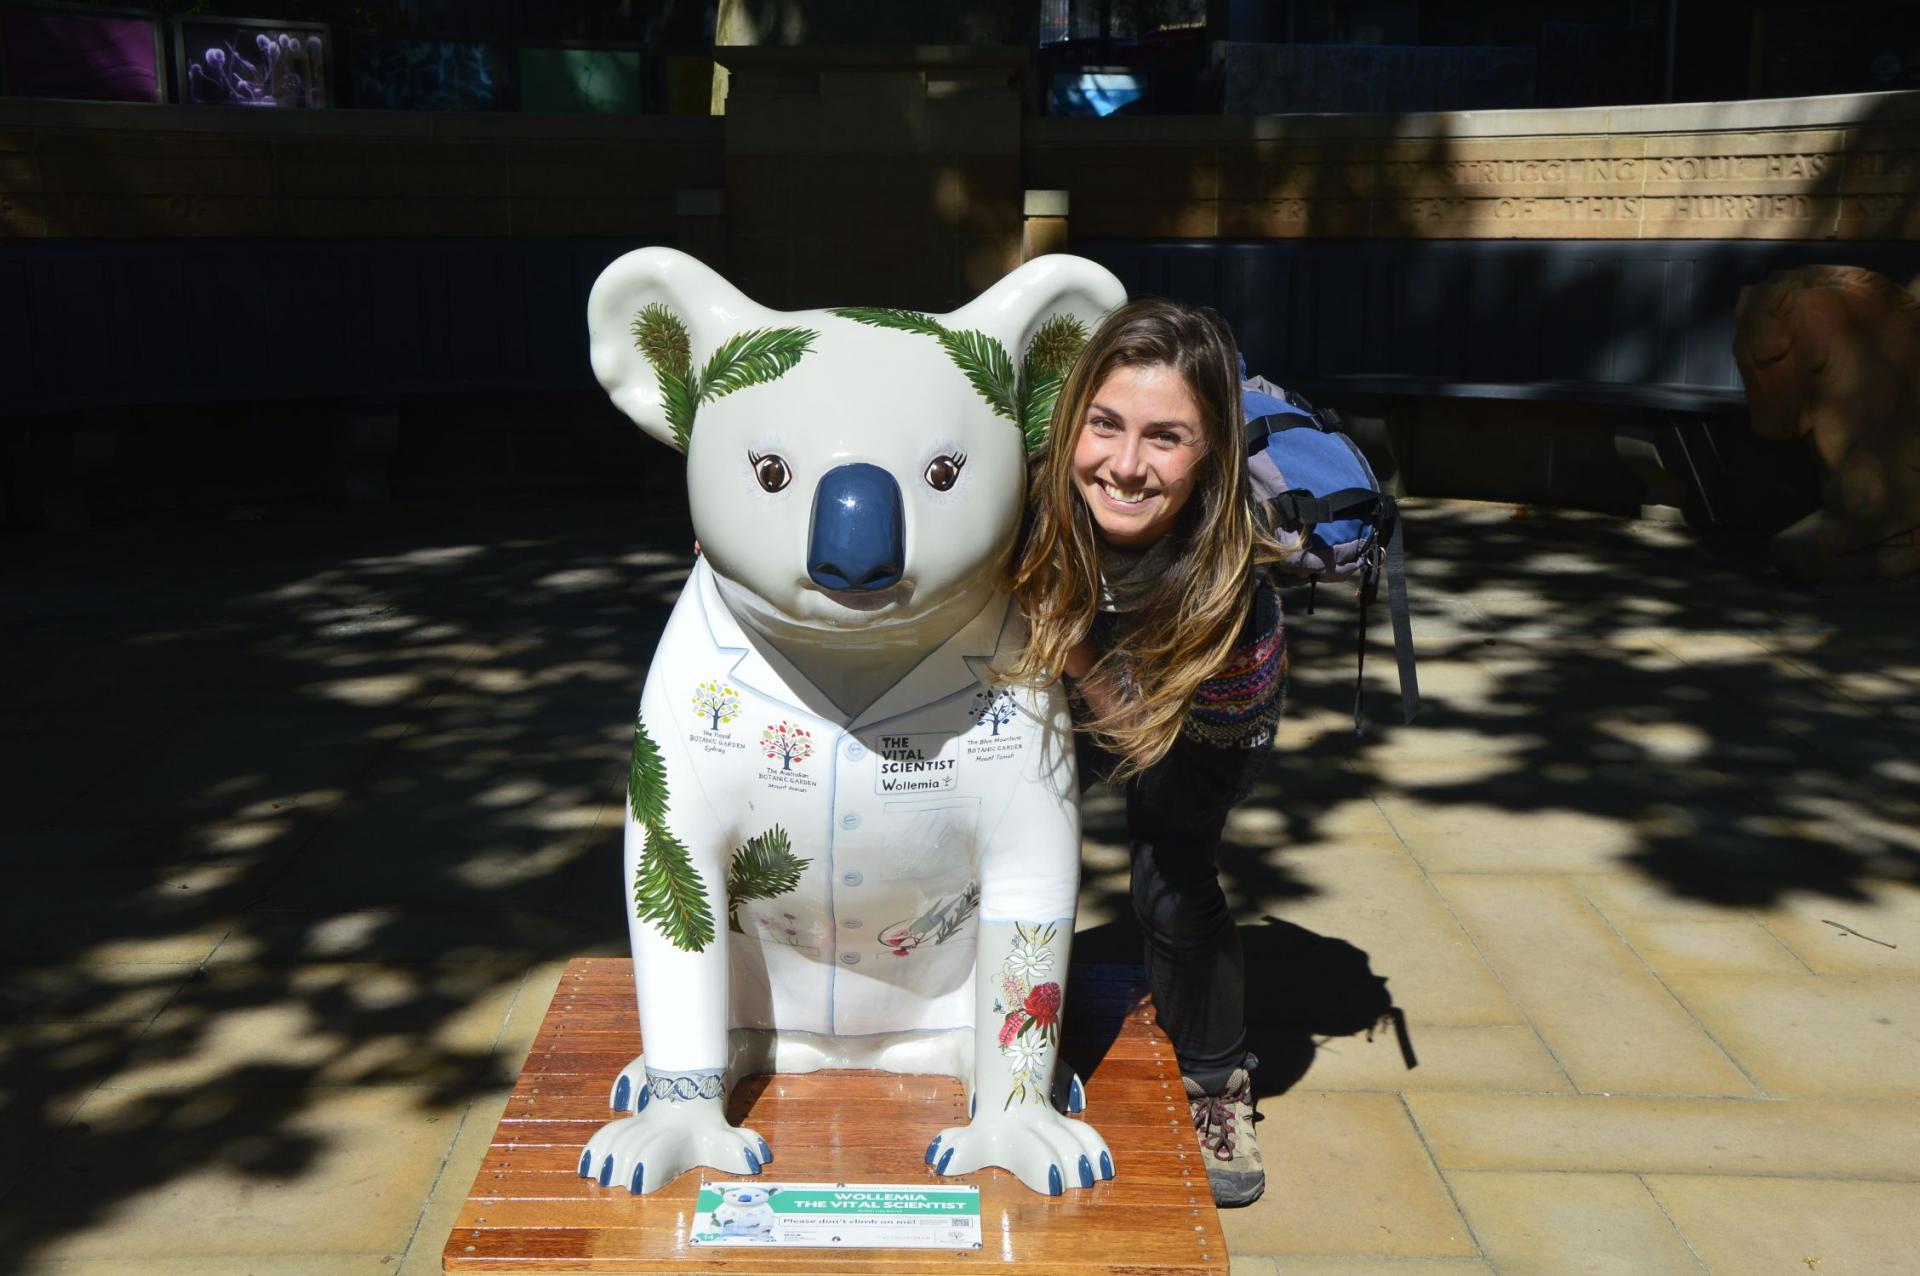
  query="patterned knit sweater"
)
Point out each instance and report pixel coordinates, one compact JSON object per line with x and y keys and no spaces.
{"x":1239,"y":706}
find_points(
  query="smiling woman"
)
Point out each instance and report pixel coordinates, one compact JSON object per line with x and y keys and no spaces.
{"x":1140,"y":578}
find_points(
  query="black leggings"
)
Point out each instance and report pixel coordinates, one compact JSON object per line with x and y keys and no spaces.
{"x":1176,"y":811}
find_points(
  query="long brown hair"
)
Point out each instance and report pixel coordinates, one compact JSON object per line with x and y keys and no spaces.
{"x":1185,"y":627}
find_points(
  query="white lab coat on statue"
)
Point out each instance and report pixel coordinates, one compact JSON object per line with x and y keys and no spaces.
{"x":948,"y":800}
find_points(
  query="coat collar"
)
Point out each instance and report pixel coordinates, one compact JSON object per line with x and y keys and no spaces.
{"x":961,"y":663}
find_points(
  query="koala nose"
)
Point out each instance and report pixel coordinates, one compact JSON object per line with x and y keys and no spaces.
{"x":857,"y":541}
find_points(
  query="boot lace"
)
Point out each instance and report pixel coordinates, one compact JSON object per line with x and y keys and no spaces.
{"x":1213,"y":1118}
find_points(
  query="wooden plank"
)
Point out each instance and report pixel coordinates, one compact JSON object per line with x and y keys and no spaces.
{"x":530,"y":1212}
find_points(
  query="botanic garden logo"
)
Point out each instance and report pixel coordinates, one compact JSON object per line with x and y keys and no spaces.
{"x":787,"y":748}
{"x":717,"y":704}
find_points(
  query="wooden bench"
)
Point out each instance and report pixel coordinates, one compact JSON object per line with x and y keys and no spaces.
{"x":530,"y":1212}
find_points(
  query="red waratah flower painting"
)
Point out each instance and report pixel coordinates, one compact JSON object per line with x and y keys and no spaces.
{"x":1043,"y":1004}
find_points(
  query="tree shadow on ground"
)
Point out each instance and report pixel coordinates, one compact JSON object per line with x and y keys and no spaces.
{"x":294,"y":804}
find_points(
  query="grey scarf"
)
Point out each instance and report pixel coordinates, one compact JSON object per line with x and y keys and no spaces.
{"x":1127,"y":576}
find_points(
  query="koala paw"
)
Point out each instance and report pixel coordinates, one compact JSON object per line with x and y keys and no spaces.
{"x":630,"y":1087}
{"x":653,"y":1147}
{"x":1043,"y":1149}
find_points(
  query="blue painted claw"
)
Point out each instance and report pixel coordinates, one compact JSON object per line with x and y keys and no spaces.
{"x":932,"y":1148}
{"x":639,"y":1178}
{"x":622,"y":1091}
{"x":1055,"y":1187}
{"x":1077,"y":1097}
{"x":606,"y":1172}
{"x":766,"y":1153}
{"x":1086,"y":1172}
{"x":646,"y":1092}
{"x":945,"y":1157}
{"x":1106,"y":1166}
{"x":586,"y":1164}
{"x":753,"y":1162}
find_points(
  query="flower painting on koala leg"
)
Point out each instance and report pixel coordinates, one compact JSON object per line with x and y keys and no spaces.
{"x":1030,"y":1006}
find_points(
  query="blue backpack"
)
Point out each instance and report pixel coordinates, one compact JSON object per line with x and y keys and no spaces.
{"x":1316,"y":481}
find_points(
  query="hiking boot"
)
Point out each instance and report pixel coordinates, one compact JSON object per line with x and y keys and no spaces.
{"x":1224,"y":1125}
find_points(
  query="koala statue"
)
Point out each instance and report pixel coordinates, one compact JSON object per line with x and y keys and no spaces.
{"x":745,"y":1211}
{"x":1832,"y":354}
{"x":848,"y":844}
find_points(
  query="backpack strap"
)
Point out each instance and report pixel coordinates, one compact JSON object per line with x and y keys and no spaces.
{"x":1402,"y":621}
{"x":1299,"y":506}
{"x":1392,"y":548}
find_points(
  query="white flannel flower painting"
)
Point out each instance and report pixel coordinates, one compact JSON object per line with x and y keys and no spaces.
{"x":1029,"y":960}
{"x":1025,"y":1055}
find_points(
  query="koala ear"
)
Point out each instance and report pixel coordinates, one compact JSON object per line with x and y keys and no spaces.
{"x":648,"y":313}
{"x":1015,"y":308}
{"x":1042,"y":314}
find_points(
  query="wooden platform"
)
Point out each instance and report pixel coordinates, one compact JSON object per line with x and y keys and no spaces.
{"x":530,"y":1212}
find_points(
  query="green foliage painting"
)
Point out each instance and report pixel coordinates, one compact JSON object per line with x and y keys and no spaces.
{"x":667,"y":889}
{"x":1026,"y":400}
{"x":764,"y":868}
{"x":754,"y":357}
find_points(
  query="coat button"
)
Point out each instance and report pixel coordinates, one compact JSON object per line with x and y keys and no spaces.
{"x":856,"y":750}
{"x":851,"y":820}
{"x":850,"y":959}
{"x":852,"y":877}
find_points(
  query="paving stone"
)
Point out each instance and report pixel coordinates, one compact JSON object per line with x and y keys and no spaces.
{"x":1889,"y":913}
{"x":1793,"y":1226}
{"x":1607,"y":1020}
{"x":450,"y":1190}
{"x":1570,"y":1225}
{"x":267,"y":1263}
{"x":1825,"y":1036}
{"x":1673,"y":1136}
{"x":46,"y":1073}
{"x":1631,"y":897}
{"x":328,"y":1025}
{"x":1346,"y":1173}
{"x":333,"y":1171}
{"x":89,"y":994}
{"x":1379,"y":1265}
{"x":389,"y":933}
{"x":1501,"y":827}
{"x":1370,"y":894}
{"x":527,"y":1011}
{"x":1485,"y":1057}
{"x":1741,"y":947}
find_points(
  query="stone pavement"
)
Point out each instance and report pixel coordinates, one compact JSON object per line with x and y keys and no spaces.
{"x":305,"y":810}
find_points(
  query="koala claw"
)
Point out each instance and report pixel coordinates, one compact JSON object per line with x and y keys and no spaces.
{"x":664,"y":1140}
{"x":1068,"y":1094}
{"x":630,"y":1087}
{"x":1034,"y":1143}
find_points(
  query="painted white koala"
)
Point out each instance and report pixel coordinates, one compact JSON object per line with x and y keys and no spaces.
{"x":745,"y":1211}
{"x":849,"y":845}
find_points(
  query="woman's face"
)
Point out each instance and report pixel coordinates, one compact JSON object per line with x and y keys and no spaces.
{"x":1138,"y":453}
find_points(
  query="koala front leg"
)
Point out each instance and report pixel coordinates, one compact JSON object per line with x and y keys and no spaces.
{"x":682,"y":989}
{"x":1018,"y":990}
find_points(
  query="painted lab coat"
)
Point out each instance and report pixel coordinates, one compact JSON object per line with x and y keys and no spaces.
{"x":947,"y":801}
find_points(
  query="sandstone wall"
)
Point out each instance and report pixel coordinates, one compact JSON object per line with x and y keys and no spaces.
{"x":1816,"y":168}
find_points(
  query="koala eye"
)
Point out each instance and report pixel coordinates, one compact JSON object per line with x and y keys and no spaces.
{"x":944,"y":471}
{"x":770,"y":470}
